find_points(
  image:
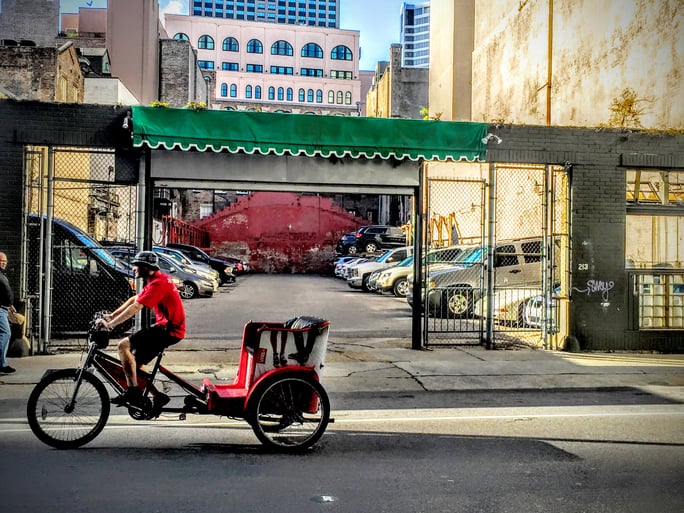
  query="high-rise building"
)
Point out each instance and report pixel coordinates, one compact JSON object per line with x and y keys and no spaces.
{"x":415,"y":34}
{"x":318,"y":13}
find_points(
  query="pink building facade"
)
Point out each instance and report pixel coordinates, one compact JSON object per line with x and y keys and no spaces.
{"x":273,"y":67}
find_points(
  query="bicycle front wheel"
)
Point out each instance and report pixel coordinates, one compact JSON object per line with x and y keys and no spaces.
{"x":289,"y":413}
{"x":59,"y":423}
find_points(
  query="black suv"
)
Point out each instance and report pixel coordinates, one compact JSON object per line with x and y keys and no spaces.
{"x":371,"y":238}
{"x":196,"y":254}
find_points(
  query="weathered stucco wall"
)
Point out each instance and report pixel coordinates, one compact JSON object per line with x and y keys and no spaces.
{"x":600,"y":47}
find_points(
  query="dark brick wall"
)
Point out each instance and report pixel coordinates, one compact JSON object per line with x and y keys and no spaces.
{"x":598,"y":183}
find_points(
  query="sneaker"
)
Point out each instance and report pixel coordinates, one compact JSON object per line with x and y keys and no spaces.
{"x":132,"y":396}
{"x":301,"y":358}
{"x":7,"y":369}
{"x":158,"y":402}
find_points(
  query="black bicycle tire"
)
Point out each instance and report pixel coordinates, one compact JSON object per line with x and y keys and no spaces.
{"x":265,"y":435}
{"x":73,"y":443}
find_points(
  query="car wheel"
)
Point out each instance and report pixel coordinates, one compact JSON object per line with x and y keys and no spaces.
{"x":189,"y":290}
{"x":352,"y":250}
{"x":457,"y":302}
{"x":400,"y":287}
{"x":364,"y":283}
{"x":371,"y":247}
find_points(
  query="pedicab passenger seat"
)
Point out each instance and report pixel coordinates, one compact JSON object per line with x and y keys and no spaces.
{"x":227,"y":396}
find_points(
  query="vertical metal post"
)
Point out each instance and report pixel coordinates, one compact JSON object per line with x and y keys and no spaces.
{"x":46,"y":255}
{"x":416,"y":332}
{"x":140,"y":221}
{"x":491,"y":233}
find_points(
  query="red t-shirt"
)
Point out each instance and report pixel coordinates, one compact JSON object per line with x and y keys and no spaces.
{"x":161,"y":295}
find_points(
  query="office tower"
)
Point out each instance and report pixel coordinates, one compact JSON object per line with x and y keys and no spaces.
{"x":415,"y":34}
{"x":318,"y":13}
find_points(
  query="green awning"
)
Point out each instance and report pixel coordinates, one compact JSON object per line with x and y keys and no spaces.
{"x":270,"y":133}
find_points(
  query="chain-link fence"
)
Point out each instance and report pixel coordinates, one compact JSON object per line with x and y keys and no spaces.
{"x":521,"y":210}
{"x":72,"y":207}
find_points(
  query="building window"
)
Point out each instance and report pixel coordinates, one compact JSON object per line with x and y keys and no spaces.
{"x":281,"y":48}
{"x":248,"y":91}
{"x":254,"y":68}
{"x":341,"y":53}
{"x":233,"y":90}
{"x":271,"y":93}
{"x":310,"y":96}
{"x":339,"y":97}
{"x":181,"y":37}
{"x":311,"y":72}
{"x":255,"y":46}
{"x":281,"y":94}
{"x":257,"y":92}
{"x":229,"y":66}
{"x":331,"y":97}
{"x":302,"y":95}
{"x":205,"y":43}
{"x":224,"y":90}
{"x":290,"y":94}
{"x":312,"y":50}
{"x":282,"y":70}
{"x":342,"y":75}
{"x":206,"y":64}
{"x":319,"y":96}
{"x":230,"y":44}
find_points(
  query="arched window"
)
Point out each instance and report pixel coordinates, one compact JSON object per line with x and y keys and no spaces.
{"x":281,"y":94}
{"x":181,"y":37}
{"x":347,"y":98}
{"x":341,"y":53}
{"x":319,"y":96}
{"x":230,"y":44}
{"x":302,"y":95}
{"x":205,"y":43}
{"x":331,"y":96}
{"x":257,"y":92}
{"x":290,"y":94}
{"x":339,"y":97}
{"x":271,"y":93}
{"x":224,"y":90}
{"x":312,"y":50}
{"x":233,"y":90}
{"x":248,"y":91}
{"x":310,"y":96}
{"x":255,"y":46}
{"x":281,"y":48}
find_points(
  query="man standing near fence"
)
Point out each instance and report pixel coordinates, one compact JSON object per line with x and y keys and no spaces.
{"x":6,"y":305}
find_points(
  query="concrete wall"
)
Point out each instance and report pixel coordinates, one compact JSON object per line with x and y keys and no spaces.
{"x":599,"y":48}
{"x":35,"y":20}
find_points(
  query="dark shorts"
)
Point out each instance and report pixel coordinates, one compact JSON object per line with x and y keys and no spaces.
{"x":146,"y":344}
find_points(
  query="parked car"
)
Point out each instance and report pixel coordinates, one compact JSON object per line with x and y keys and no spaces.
{"x":193,"y":285}
{"x":342,"y":270}
{"x":509,"y":305}
{"x":396,"y":278}
{"x":371,"y":238}
{"x":536,"y":309}
{"x":86,"y":278}
{"x":181,"y":257}
{"x":194,"y":253}
{"x":454,"y":291}
{"x":361,"y":272}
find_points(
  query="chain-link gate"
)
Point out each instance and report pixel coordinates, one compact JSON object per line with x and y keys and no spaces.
{"x":72,"y":205}
{"x":506,"y":285}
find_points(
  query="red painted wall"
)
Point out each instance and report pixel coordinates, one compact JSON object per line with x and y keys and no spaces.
{"x":280,"y":232}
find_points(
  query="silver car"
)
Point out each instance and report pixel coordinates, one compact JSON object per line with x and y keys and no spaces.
{"x":193,"y":285}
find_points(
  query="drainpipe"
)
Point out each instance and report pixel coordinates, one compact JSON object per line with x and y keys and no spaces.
{"x":549,"y":64}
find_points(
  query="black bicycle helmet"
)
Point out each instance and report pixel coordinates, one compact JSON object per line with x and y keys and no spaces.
{"x":148,"y":258}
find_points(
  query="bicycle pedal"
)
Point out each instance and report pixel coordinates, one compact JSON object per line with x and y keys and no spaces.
{"x":182,"y":416}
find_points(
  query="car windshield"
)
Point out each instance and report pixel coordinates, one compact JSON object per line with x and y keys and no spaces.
{"x":384,"y":257}
{"x":406,"y":262}
{"x":102,"y":253}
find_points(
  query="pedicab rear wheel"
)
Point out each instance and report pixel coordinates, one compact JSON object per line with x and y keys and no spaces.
{"x":289,"y":413}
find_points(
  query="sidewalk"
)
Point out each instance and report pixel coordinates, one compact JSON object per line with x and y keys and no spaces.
{"x":390,"y":365}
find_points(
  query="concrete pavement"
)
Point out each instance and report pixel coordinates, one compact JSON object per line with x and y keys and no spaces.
{"x":390,"y":365}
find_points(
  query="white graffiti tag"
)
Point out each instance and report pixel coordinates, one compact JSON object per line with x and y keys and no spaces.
{"x":594,"y":286}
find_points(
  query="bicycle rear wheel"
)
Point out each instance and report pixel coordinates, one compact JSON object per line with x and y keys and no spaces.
{"x":289,"y":413}
{"x":54,"y":422}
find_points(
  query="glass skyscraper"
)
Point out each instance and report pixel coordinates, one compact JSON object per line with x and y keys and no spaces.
{"x":317,"y":13}
{"x":415,"y":34}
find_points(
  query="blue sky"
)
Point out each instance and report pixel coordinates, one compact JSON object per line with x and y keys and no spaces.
{"x":376,"y":20}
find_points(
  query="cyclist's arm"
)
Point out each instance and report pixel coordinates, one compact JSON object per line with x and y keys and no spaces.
{"x":132,"y":308}
{"x":125,"y":305}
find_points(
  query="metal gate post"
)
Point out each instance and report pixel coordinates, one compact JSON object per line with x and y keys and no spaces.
{"x":491,"y":232}
{"x":416,"y":335}
{"x":46,"y":307}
